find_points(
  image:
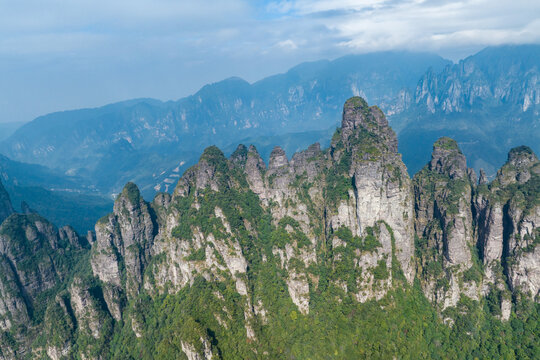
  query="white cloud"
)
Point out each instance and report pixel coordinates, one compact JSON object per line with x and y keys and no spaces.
{"x":287,"y":44}
{"x":441,"y":26}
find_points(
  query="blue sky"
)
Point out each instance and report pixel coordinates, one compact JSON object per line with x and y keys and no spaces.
{"x":64,"y":54}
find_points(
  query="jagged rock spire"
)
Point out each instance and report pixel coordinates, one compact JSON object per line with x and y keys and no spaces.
{"x":362,"y":122}
{"x":483,"y":180}
{"x":448,"y":159}
{"x":521,"y":161}
{"x":240,"y":155}
{"x":278,"y":158}
{"x":124,"y":240}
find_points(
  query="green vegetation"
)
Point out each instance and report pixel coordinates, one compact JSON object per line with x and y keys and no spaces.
{"x":446,"y":143}
{"x":131,"y":192}
{"x":338,"y":181}
{"x":369,"y":243}
{"x":381,"y":272}
{"x":446,"y":191}
{"x":526,"y":196}
{"x":357,"y":102}
{"x":517,"y":151}
{"x":197,"y":255}
{"x":402,"y":325}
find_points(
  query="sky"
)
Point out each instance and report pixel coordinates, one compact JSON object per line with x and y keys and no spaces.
{"x":67,"y":54}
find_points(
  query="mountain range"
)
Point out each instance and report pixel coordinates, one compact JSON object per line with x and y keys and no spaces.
{"x":330,"y":253}
{"x":489,"y":102}
{"x":144,"y":140}
{"x":64,"y":200}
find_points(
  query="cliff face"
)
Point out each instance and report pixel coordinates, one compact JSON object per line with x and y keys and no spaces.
{"x":35,"y":259}
{"x":486,"y":79}
{"x":444,"y":226}
{"x":244,"y":248}
{"x":123,"y":247}
{"x":508,"y":217}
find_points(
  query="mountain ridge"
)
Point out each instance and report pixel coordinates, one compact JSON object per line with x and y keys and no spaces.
{"x":248,"y":260}
{"x":220,"y":113}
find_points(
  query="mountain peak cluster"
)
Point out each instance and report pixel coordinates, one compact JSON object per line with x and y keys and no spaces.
{"x":334,"y":252}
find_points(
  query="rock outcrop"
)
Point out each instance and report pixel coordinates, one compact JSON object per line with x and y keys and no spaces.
{"x":35,"y":258}
{"x":444,"y":226}
{"x":123,"y":247}
{"x":509,"y":217}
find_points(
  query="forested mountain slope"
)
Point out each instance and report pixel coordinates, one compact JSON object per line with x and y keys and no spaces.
{"x":335,"y":253}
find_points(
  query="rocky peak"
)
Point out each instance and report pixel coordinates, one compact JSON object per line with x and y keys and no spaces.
{"x":129,"y":198}
{"x":483,"y":180}
{"x":366,"y":126}
{"x":448,"y":159}
{"x":313,"y":150}
{"x":254,"y":169}
{"x":522,"y":156}
{"x":134,"y":215}
{"x":69,"y":236}
{"x":278,"y":158}
{"x":521,"y":161}
{"x":240,"y":155}
{"x":255,"y":158}
{"x":206,"y":173}
{"x":301,"y":157}
{"x":6,"y":208}
{"x":124,"y":240}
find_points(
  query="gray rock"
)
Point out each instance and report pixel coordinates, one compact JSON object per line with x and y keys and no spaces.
{"x":124,"y":239}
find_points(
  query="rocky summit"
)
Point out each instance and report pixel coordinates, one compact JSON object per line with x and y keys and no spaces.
{"x":330,"y":253}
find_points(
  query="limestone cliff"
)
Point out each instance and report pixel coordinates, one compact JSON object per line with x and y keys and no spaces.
{"x":444,"y":226}
{"x":35,"y":259}
{"x":242,"y":250}
{"x":509,"y":217}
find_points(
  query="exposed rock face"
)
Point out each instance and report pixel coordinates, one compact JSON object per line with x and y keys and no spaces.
{"x":382,"y":188}
{"x":92,"y":321}
{"x":60,"y":328}
{"x":444,"y":222}
{"x":481,"y":81}
{"x":124,"y":240}
{"x":360,"y":184}
{"x":22,"y":240}
{"x":508,"y":222}
{"x":521,"y":219}
{"x":33,"y":257}
{"x":13,"y":307}
{"x":278,"y":159}
{"x":518,"y":167}
{"x":483,"y":180}
{"x":6,"y":208}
